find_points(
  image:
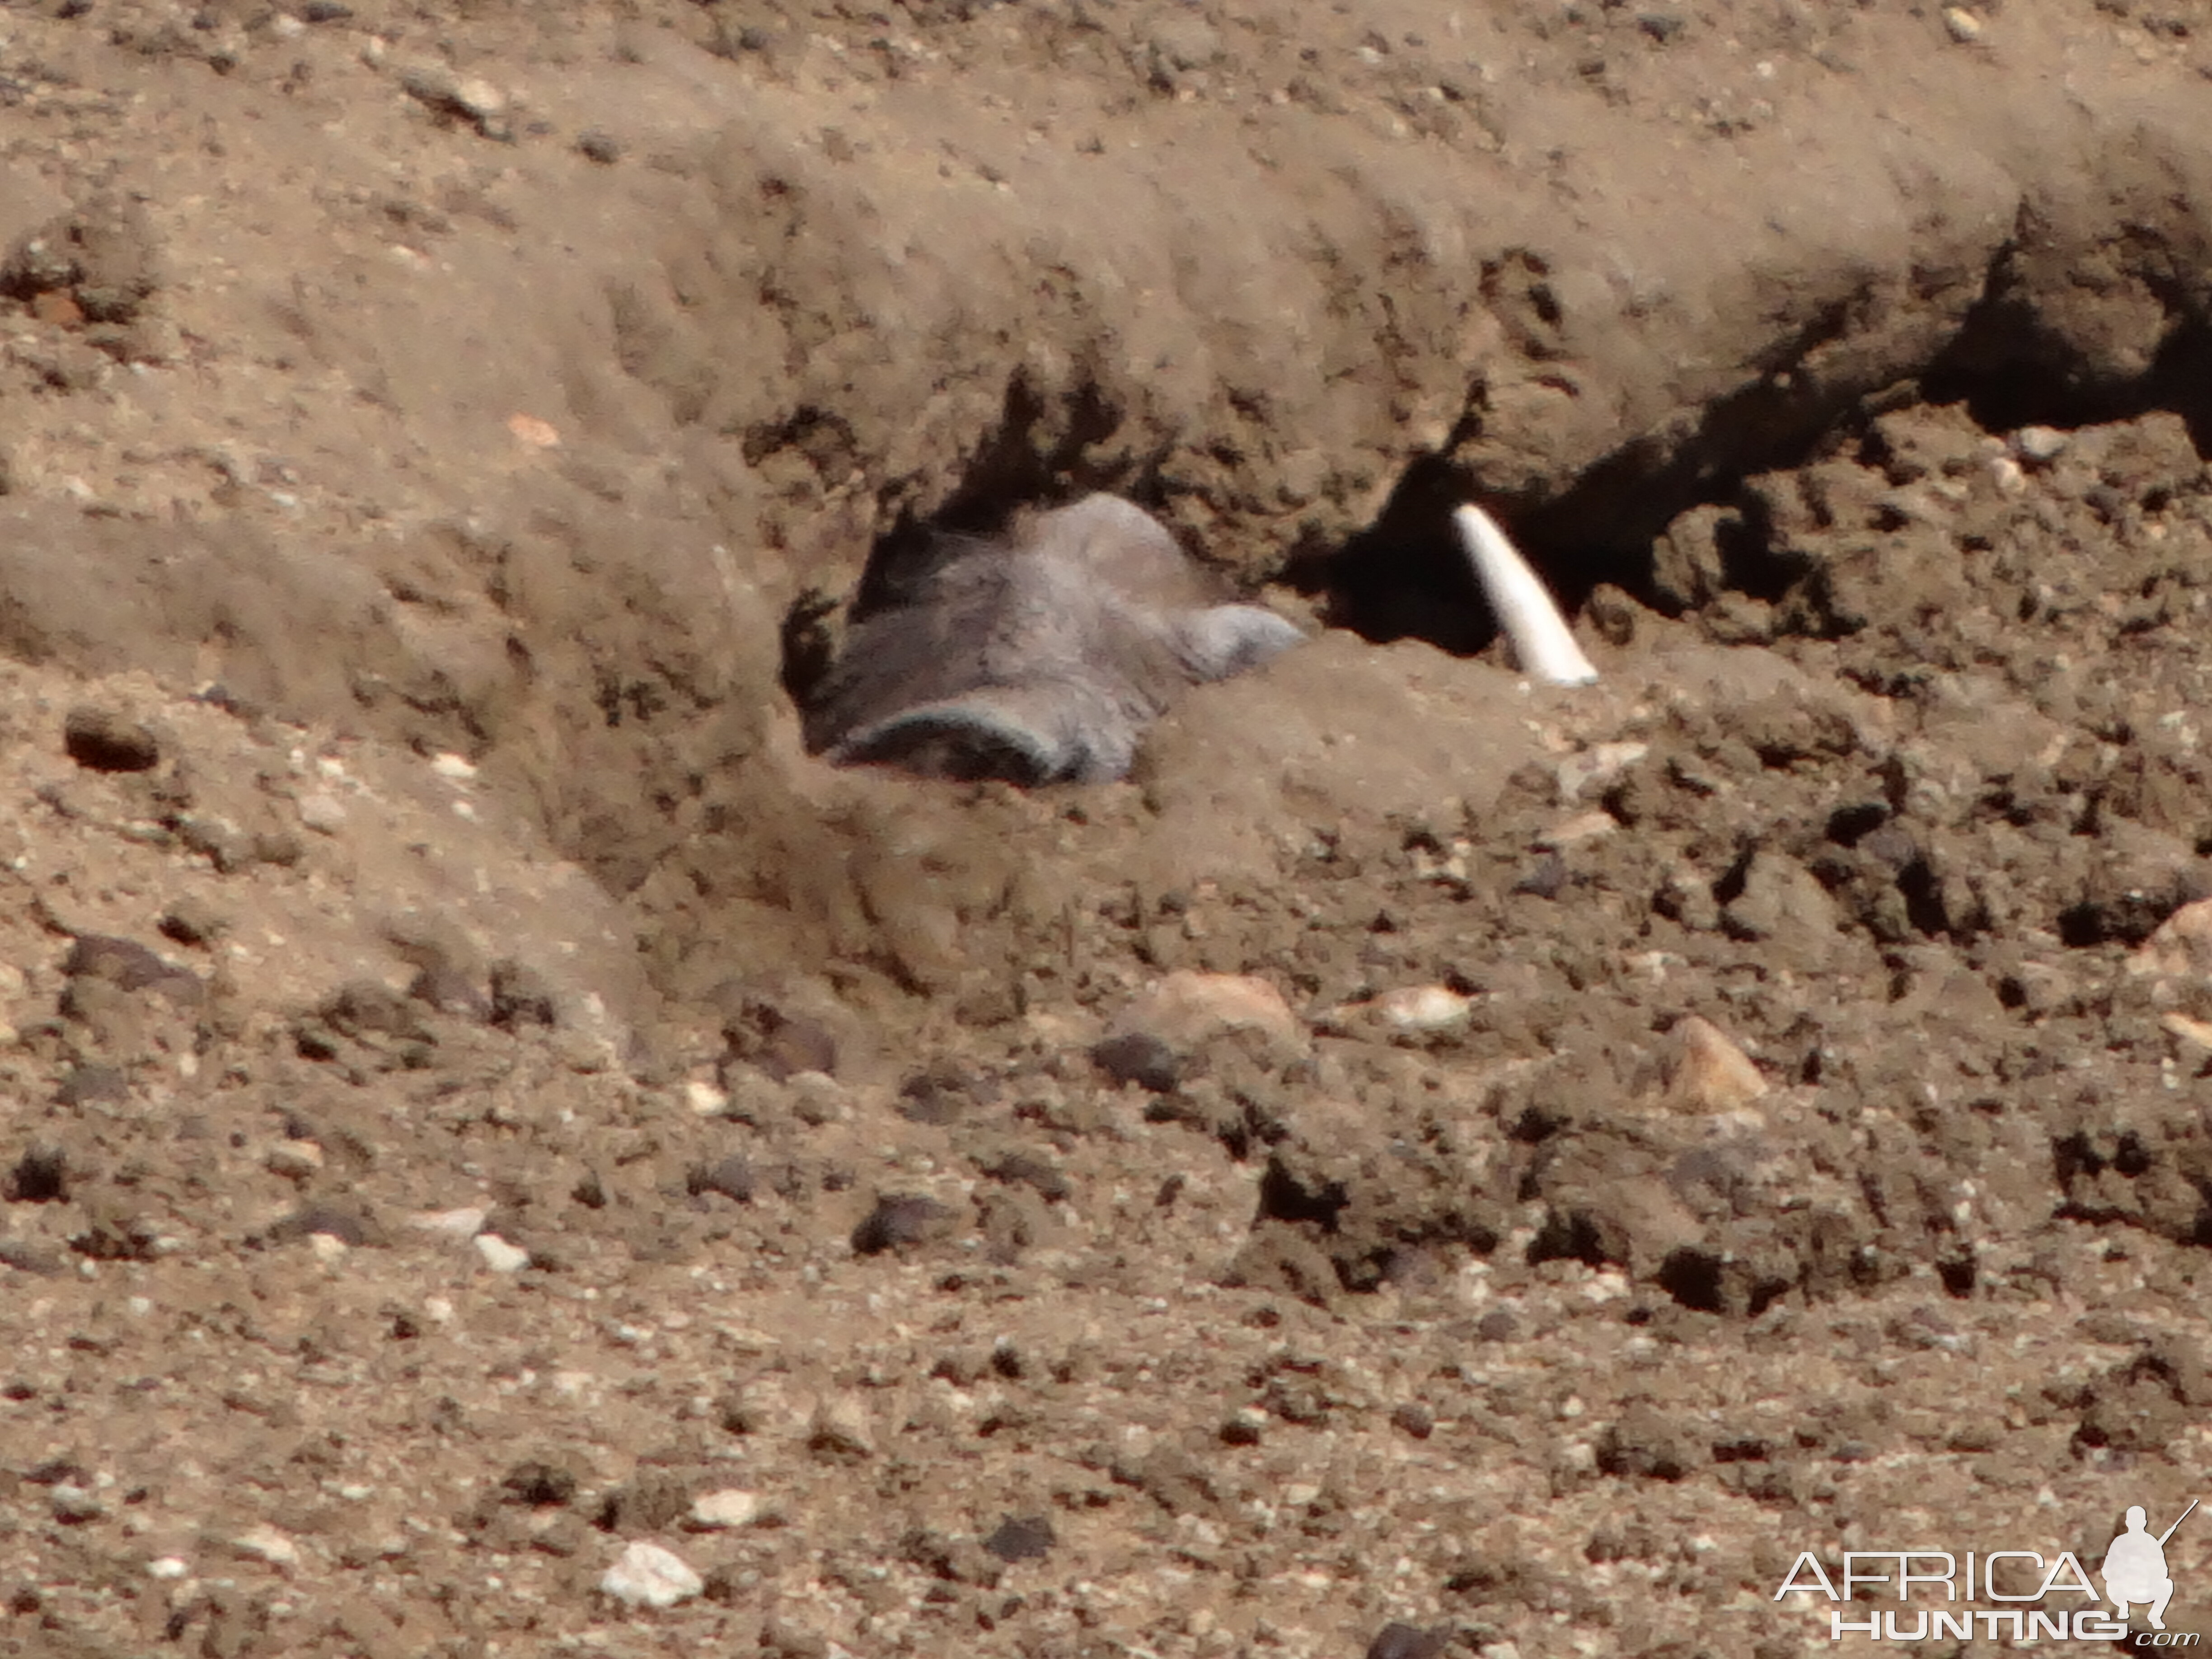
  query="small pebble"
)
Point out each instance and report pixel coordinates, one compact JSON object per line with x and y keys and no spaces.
{"x":1187,"y":1009}
{"x":815,"y":1099}
{"x":193,"y":921}
{"x":2190,"y":1031}
{"x":450,"y":991}
{"x":733,"y":1506}
{"x":840,"y":1428}
{"x":501,"y":1256}
{"x":57,"y":306}
{"x":264,"y":1543}
{"x":451,"y":1224}
{"x":648,"y":1575}
{"x":296,"y":1160}
{"x":732,"y":1176}
{"x":167,"y":1567}
{"x":477,"y":97}
{"x":1140,"y":1058}
{"x":594,"y":145}
{"x":536,"y":433}
{"x":2039,"y":443}
{"x":472,"y":98}
{"x":1028,"y":1538}
{"x":1415,"y":1419}
{"x":325,"y":1220}
{"x":1408,"y":1642}
{"x":1706,"y":1072}
{"x":1965,"y":27}
{"x":128,"y":964}
{"x":73,"y":1504}
{"x":539,"y":1484}
{"x":105,"y":741}
{"x":459,"y":767}
{"x":900,"y":1220}
{"x":1423,"y":1008}
{"x":1581,"y":827}
{"x":1244,"y":1427}
{"x":1185,"y":41}
{"x":89,"y":1085}
{"x":324,"y":813}
{"x":520,"y":996}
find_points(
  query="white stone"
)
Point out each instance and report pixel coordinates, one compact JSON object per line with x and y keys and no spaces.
{"x":464,"y":1223}
{"x":2190,"y":1031}
{"x":459,"y":767}
{"x":264,"y":1543}
{"x":478,"y":97}
{"x":2180,"y":948}
{"x":840,"y":1426}
{"x":73,"y":1502}
{"x":733,"y":1506}
{"x":167,"y":1567}
{"x":1705,"y":1070}
{"x":648,"y":1575}
{"x":1423,"y":1008}
{"x":501,"y":1256}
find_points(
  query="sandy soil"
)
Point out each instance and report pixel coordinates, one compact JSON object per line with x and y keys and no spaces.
{"x":1429,"y":1166}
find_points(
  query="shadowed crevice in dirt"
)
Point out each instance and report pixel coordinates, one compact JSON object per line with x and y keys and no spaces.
{"x":1405,"y":576}
{"x":1043,"y":449}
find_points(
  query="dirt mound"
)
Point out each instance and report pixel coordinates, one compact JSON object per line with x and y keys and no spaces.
{"x":1428,"y":1165}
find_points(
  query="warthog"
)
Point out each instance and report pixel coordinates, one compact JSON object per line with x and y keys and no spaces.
{"x":1040,"y":655}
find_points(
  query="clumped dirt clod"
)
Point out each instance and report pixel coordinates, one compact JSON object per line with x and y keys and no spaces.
{"x":106,"y":742}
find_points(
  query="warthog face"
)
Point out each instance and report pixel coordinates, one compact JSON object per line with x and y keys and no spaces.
{"x":1038,"y":657}
{"x":1041,"y":656}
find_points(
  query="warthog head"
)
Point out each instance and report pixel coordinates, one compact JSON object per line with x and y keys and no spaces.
{"x":1039,"y":656}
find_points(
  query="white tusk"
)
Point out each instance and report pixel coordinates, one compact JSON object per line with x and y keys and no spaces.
{"x":1524,"y":607}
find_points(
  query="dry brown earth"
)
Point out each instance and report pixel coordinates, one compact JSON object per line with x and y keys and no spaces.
{"x":474,"y":1089}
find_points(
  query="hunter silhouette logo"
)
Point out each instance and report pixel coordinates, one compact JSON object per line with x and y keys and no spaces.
{"x":1911,"y":1596}
{"x":2135,"y":1566}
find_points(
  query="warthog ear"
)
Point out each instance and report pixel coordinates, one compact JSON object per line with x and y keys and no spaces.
{"x":1228,"y":638}
{"x":1028,"y":736}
